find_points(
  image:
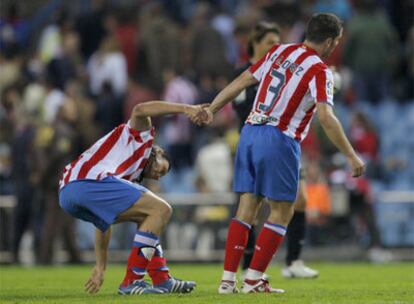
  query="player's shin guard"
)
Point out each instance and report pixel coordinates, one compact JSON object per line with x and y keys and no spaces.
{"x":267,"y":244}
{"x":157,"y":268}
{"x":295,"y":237}
{"x":141,"y":254}
{"x":237,"y":237}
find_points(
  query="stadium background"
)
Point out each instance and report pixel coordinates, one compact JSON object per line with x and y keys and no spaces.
{"x":90,"y":62}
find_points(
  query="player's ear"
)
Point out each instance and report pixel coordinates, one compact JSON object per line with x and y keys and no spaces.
{"x":330,"y":42}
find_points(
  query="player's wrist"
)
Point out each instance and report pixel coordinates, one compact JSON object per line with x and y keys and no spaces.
{"x":187,"y":109}
{"x":351,"y":155}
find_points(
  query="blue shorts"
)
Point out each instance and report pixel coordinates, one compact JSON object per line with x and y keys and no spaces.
{"x":99,"y":201}
{"x":267,"y":163}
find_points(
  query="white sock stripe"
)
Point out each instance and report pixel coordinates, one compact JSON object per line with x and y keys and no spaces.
{"x":276,"y":228}
{"x":243,"y":223}
{"x":139,"y":273}
{"x":145,"y":240}
{"x":253,"y":275}
{"x":228,"y":276}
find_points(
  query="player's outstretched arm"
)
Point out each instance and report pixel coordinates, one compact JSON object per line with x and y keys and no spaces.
{"x":229,"y":93}
{"x":336,"y":134}
{"x":94,"y":283}
{"x":140,"y":117}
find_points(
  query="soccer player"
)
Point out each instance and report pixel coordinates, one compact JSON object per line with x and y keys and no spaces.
{"x":99,"y":188}
{"x":293,"y":84}
{"x":262,"y":38}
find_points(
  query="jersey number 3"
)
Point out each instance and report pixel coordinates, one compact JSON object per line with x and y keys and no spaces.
{"x":275,"y":89}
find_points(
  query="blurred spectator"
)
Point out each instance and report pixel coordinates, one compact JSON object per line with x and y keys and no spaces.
{"x":108,"y":109}
{"x":23,"y":175}
{"x":33,"y":99}
{"x":56,"y":145}
{"x":318,"y":205}
{"x":53,"y":100}
{"x":160,"y":45}
{"x":214,"y":165}
{"x":207,"y":47}
{"x":6,"y":185}
{"x":16,"y":31}
{"x":67,"y":63}
{"x":224,"y":24}
{"x":9,"y":103}
{"x":108,"y":66}
{"x":124,"y":28}
{"x":10,"y":100}
{"x":51,"y":38}
{"x":90,"y":27}
{"x":178,"y":130}
{"x":362,"y":212}
{"x":364,"y":139}
{"x":360,"y":218}
{"x":370,"y":51}
{"x":10,"y":70}
{"x":86,"y":112}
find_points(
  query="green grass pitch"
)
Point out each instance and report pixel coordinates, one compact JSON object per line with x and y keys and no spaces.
{"x":338,"y":283}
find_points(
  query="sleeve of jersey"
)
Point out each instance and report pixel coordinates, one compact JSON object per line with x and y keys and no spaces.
{"x":258,"y":68}
{"x":322,"y":86}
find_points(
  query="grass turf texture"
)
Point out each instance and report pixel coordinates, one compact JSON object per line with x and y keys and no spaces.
{"x":338,"y":283}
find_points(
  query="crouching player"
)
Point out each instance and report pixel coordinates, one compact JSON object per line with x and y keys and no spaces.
{"x":99,"y":188}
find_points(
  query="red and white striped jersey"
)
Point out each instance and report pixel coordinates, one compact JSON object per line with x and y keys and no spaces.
{"x":123,"y":153}
{"x":292,"y":80}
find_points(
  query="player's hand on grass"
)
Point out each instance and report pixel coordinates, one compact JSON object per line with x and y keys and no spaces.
{"x":94,"y":283}
{"x":357,"y":166}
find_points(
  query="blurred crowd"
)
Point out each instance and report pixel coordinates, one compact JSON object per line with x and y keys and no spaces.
{"x":70,"y":71}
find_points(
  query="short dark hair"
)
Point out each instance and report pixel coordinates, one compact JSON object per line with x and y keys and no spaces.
{"x":259,"y":32}
{"x":323,"y":26}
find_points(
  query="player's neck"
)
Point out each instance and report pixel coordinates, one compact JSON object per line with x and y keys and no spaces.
{"x":316,"y":47}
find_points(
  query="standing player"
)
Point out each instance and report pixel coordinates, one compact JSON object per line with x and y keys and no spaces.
{"x":262,"y":38}
{"x":98,"y":187}
{"x":294,"y":83}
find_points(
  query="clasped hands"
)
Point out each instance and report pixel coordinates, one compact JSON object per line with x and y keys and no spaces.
{"x":200,"y":114}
